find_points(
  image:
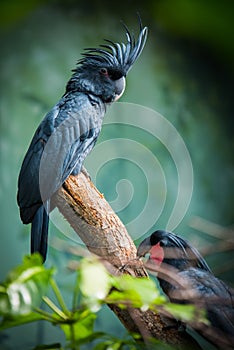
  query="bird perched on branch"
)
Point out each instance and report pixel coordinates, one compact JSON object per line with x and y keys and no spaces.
{"x":69,"y":131}
{"x":186,"y":278}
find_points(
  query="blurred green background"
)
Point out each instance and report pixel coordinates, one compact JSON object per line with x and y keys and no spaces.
{"x":186,"y":73}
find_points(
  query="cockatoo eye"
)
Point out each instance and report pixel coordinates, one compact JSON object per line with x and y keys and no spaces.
{"x":162,"y":243}
{"x":104,"y":71}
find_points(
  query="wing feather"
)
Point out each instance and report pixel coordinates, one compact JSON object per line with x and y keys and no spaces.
{"x":63,"y":139}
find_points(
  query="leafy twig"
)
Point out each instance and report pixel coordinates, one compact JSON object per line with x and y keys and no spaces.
{"x":53,"y":307}
{"x":59,"y":296}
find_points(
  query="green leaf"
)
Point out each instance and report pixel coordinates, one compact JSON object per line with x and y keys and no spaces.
{"x":81,"y":327}
{"x":84,"y":327}
{"x":139,"y":292}
{"x":95,"y":281}
{"x":102,"y":345}
{"x":186,"y":313}
{"x":8,"y":322}
{"x":115,"y":343}
{"x":91,"y":337}
{"x":24,"y":287}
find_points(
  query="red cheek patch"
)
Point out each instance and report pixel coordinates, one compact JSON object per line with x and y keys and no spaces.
{"x":157,"y":254}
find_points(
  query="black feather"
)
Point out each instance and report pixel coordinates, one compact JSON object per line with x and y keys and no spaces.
{"x":69,"y":131}
{"x":121,"y":56}
{"x":39,"y":231}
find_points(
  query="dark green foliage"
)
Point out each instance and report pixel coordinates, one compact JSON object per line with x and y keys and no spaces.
{"x":26,"y":288}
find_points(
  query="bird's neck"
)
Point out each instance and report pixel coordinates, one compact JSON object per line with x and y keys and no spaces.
{"x":79,"y":82}
{"x":80,"y":85}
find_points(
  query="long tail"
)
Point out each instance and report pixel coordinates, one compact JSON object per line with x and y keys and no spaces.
{"x":39,"y":231}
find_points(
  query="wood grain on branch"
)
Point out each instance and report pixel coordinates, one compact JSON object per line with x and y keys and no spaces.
{"x":87,"y":211}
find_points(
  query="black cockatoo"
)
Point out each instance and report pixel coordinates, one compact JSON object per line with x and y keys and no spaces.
{"x":185,"y":277}
{"x":69,"y":131}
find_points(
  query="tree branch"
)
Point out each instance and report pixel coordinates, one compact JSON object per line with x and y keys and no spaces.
{"x":87,"y":211}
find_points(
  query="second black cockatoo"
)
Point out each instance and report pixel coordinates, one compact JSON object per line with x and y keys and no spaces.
{"x":185,"y":277}
{"x":69,"y":131}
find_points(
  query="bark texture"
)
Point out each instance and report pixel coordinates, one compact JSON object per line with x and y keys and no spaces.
{"x":90,"y":215}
